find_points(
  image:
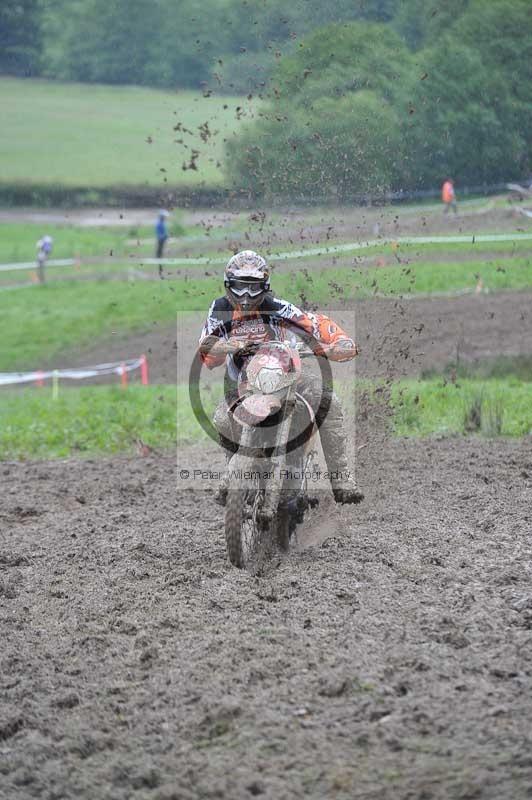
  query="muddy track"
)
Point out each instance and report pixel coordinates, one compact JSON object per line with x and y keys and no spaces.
{"x":296,"y":228}
{"x":397,"y":337}
{"x":387,"y":657}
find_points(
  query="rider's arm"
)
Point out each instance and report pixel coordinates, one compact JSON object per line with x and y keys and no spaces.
{"x":212,"y":336}
{"x":216,"y":348}
{"x":344,"y":349}
{"x":215,"y":343}
{"x":330,"y":340}
{"x":327,"y":338}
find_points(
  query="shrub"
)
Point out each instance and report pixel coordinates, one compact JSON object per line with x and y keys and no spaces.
{"x":472,"y":419}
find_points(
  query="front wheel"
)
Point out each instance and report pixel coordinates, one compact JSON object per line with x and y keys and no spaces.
{"x":242,"y":530}
{"x":282,"y":531}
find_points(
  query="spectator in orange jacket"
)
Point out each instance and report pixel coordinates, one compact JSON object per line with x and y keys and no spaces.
{"x":448,"y":196}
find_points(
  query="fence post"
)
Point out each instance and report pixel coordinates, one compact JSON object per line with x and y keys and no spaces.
{"x":41,"y":262}
{"x":144,"y":370}
{"x":123,"y":375}
{"x":55,"y":384}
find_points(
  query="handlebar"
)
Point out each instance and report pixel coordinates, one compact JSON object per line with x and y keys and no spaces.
{"x":252,"y":346}
{"x":303,"y":350}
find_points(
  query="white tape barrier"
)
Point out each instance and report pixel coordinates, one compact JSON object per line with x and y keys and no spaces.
{"x":114,"y":368}
{"x":405,"y":240}
{"x":58,"y":262}
{"x":331,"y":249}
{"x":325,"y":249}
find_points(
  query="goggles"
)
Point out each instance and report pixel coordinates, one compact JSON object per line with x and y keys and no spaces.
{"x":251,"y":288}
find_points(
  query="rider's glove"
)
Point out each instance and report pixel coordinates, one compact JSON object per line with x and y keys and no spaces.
{"x":243,"y":347}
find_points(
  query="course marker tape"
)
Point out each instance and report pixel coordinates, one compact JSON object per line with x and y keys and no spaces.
{"x":348,"y":246}
{"x":399,"y":240}
{"x":65,"y":262}
{"x":120,"y":368}
{"x":321,"y":250}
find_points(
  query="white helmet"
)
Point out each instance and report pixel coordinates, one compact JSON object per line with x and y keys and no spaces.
{"x":246,"y":279}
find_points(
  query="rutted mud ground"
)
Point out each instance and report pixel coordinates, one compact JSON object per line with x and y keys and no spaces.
{"x":303,"y":223}
{"x":389,"y":660}
{"x":397,"y":337}
{"x":387,"y":656}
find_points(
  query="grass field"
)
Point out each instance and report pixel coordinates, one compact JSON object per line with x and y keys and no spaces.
{"x":97,"y":136}
{"x":89,"y":420}
{"x":108,"y":419}
{"x":18,"y":240}
{"x":38,"y":321}
{"x":17,"y":243}
{"x":491,"y":408}
{"x":418,"y":278}
{"x":206,"y":238}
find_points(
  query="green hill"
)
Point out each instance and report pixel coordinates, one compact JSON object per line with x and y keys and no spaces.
{"x":86,"y":135}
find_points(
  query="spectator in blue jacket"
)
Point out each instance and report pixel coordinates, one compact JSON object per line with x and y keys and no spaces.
{"x":161,"y":232}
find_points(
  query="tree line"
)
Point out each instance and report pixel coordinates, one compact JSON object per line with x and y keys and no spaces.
{"x":180,"y":43}
{"x":357,"y":95}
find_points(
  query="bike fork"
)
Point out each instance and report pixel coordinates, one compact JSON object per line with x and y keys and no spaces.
{"x":273,"y":493}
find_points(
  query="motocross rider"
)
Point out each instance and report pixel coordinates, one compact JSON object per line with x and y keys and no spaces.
{"x":249,"y":314}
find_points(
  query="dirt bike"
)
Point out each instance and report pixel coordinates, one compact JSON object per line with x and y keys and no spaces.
{"x":268,"y":476}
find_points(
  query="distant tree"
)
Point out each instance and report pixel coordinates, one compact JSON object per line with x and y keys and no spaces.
{"x":474,"y":108}
{"x":343,"y":58}
{"x":187,"y":41}
{"x":501,"y":32}
{"x":422,"y":22}
{"x":100,"y":40}
{"x":351,"y":148}
{"x":155,"y":42}
{"x":255,"y":24}
{"x":331,"y":128}
{"x":20,"y":37}
{"x":260,"y":33}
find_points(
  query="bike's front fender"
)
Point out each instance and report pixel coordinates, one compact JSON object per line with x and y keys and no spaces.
{"x":255,"y":408}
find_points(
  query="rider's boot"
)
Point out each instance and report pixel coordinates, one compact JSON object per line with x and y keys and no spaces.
{"x":228,"y":441}
{"x":220,"y":495}
{"x":345,"y":490}
{"x":333,"y":440}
